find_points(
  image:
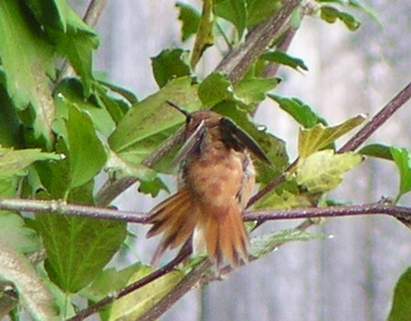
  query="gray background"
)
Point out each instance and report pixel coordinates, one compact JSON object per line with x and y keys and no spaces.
{"x":349,"y":276}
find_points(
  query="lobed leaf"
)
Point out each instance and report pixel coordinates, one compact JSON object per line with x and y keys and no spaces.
{"x":323,"y":171}
{"x":316,"y":138}
{"x":298,"y":110}
{"x":214,"y":89}
{"x":190,"y":20}
{"x":15,"y":162}
{"x":27,"y":79}
{"x":170,"y":64}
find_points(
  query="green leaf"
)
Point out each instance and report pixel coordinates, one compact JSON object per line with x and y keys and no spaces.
{"x":331,"y":14}
{"x":214,"y":89}
{"x":153,"y":187}
{"x":234,"y":11}
{"x":151,"y":121}
{"x":401,"y":305}
{"x":377,"y":150}
{"x":71,"y":92}
{"x":402,"y":159}
{"x":135,"y":304}
{"x":261,"y":10}
{"x":273,"y":147}
{"x":298,"y":110}
{"x":323,"y":171}
{"x":265,"y":244}
{"x":282,"y":200}
{"x":78,"y":248}
{"x":49,"y":12}
{"x":190,"y":19}
{"x":27,"y":60}
{"x":254,"y":90}
{"x":33,"y":294}
{"x":15,"y":162}
{"x":170,"y":64}
{"x":15,"y":235}
{"x":283,"y":58}
{"x":205,"y":37}
{"x":87,"y":153}
{"x":313,"y":139}
{"x":76,"y":41}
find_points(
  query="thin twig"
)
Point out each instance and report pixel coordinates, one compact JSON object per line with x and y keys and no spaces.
{"x":184,"y":253}
{"x":62,"y":208}
{"x":378,"y":120}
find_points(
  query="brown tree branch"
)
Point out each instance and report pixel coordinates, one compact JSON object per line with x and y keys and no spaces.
{"x":378,"y":120}
{"x":239,"y":60}
{"x":62,"y":208}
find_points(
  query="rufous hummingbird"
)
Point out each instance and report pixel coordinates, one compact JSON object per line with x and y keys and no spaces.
{"x":218,"y":179}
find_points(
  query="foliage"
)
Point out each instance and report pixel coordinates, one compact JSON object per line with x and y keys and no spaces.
{"x":58,"y":134}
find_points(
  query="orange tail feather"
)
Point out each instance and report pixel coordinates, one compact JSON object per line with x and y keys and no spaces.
{"x":176,"y":218}
{"x":225,"y":235}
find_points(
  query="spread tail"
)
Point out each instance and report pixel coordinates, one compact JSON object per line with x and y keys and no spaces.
{"x":225,"y":235}
{"x":176,"y":218}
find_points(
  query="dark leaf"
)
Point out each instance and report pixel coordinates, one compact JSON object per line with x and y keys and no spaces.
{"x":283,"y":58}
{"x":170,"y":64}
{"x":377,"y":150}
{"x":401,"y":305}
{"x":190,"y":19}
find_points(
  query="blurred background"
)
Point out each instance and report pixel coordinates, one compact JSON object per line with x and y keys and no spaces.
{"x":349,"y":276}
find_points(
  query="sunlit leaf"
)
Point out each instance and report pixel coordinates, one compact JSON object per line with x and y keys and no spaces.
{"x":324,"y":170}
{"x":316,"y":138}
{"x":401,"y":305}
{"x":15,"y":162}
{"x":282,"y":200}
{"x":135,"y":304}
{"x":14,"y":234}
{"x":190,"y":20}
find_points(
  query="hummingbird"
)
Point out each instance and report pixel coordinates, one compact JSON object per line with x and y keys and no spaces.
{"x":218,"y":179}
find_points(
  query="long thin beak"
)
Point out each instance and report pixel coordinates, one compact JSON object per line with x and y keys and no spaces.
{"x":181,"y":110}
